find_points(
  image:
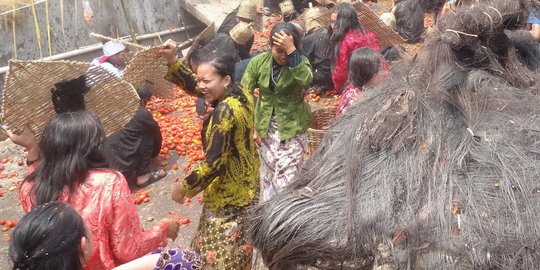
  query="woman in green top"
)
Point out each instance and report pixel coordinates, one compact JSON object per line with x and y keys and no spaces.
{"x":282,"y":117}
{"x":229,"y":175}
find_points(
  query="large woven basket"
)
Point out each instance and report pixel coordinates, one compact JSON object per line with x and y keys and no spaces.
{"x":322,"y":119}
{"x":206,"y":33}
{"x":369,"y":20}
{"x":27,"y":94}
{"x":147,"y":67}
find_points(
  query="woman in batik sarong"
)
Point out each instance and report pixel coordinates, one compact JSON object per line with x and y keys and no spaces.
{"x":282,"y":117}
{"x":229,"y":175}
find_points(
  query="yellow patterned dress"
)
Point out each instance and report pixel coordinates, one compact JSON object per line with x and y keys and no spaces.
{"x":228,"y":177}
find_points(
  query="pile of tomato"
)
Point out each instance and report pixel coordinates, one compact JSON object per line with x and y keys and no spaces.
{"x":8,"y":224}
{"x":180,"y":128}
{"x":141,"y":196}
{"x":260,"y":42}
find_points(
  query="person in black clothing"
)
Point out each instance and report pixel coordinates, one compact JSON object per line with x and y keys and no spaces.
{"x":131,"y":149}
{"x":314,"y":47}
{"x":232,"y":19}
{"x":409,"y":20}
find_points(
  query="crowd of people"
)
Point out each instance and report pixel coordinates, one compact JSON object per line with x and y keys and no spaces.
{"x":77,"y":196}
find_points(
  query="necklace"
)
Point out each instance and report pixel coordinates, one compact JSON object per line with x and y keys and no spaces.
{"x":272,"y":75}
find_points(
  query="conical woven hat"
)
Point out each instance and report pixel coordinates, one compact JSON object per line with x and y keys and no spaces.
{"x":147,"y":67}
{"x":247,"y":10}
{"x":369,"y":20}
{"x":287,"y":7}
{"x":242,"y":32}
{"x":207,"y":32}
{"x":27,"y":94}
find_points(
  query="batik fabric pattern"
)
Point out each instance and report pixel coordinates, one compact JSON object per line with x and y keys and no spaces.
{"x":229,"y":174}
{"x":177,"y":259}
{"x":280,"y":160}
{"x":221,"y":239}
{"x":349,"y":97}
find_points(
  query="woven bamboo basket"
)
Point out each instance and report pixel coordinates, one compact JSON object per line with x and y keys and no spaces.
{"x":147,"y":67}
{"x":27,"y":94}
{"x":369,"y":20}
{"x":322,"y":119}
{"x":207,"y":32}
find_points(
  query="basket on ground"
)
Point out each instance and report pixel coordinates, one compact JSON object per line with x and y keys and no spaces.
{"x":322,"y":119}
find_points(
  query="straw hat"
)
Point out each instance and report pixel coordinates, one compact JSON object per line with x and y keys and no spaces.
{"x":287,"y":7}
{"x":28,"y":94}
{"x":147,"y":67}
{"x":247,"y":10}
{"x":207,"y":32}
{"x":369,"y":20}
{"x":241,"y":33}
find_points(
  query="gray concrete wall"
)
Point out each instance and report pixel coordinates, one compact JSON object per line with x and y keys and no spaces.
{"x":148,"y":16}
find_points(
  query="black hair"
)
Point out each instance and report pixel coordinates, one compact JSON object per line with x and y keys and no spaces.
{"x":144,"y":92}
{"x":47,"y":238}
{"x":68,"y":95}
{"x":364,"y":63}
{"x":218,"y":44}
{"x":393,"y":53}
{"x":71,"y":145}
{"x":346,"y":20}
{"x":224,"y":66}
{"x":289,"y":29}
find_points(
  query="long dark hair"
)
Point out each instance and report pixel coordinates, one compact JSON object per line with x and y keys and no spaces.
{"x":71,"y":144}
{"x":224,"y":66}
{"x":48,"y":237}
{"x":218,"y":44}
{"x":346,"y":20}
{"x":289,"y":29}
{"x":364,"y":63}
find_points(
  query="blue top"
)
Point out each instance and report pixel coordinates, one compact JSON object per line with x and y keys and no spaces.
{"x":534,"y":16}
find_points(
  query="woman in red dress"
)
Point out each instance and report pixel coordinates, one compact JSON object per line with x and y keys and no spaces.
{"x":72,"y":168}
{"x":346,"y":35}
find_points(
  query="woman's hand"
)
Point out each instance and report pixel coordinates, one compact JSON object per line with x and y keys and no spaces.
{"x":169,"y":51}
{"x":178,"y":193}
{"x":284,"y":41}
{"x":26,"y":139}
{"x":172,"y":227}
{"x":257,"y":138}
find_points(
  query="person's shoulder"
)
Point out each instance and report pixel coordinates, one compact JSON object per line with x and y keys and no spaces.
{"x":262,"y":57}
{"x":226,"y":106}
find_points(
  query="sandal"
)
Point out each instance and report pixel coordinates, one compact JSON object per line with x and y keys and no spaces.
{"x":154,"y":177}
